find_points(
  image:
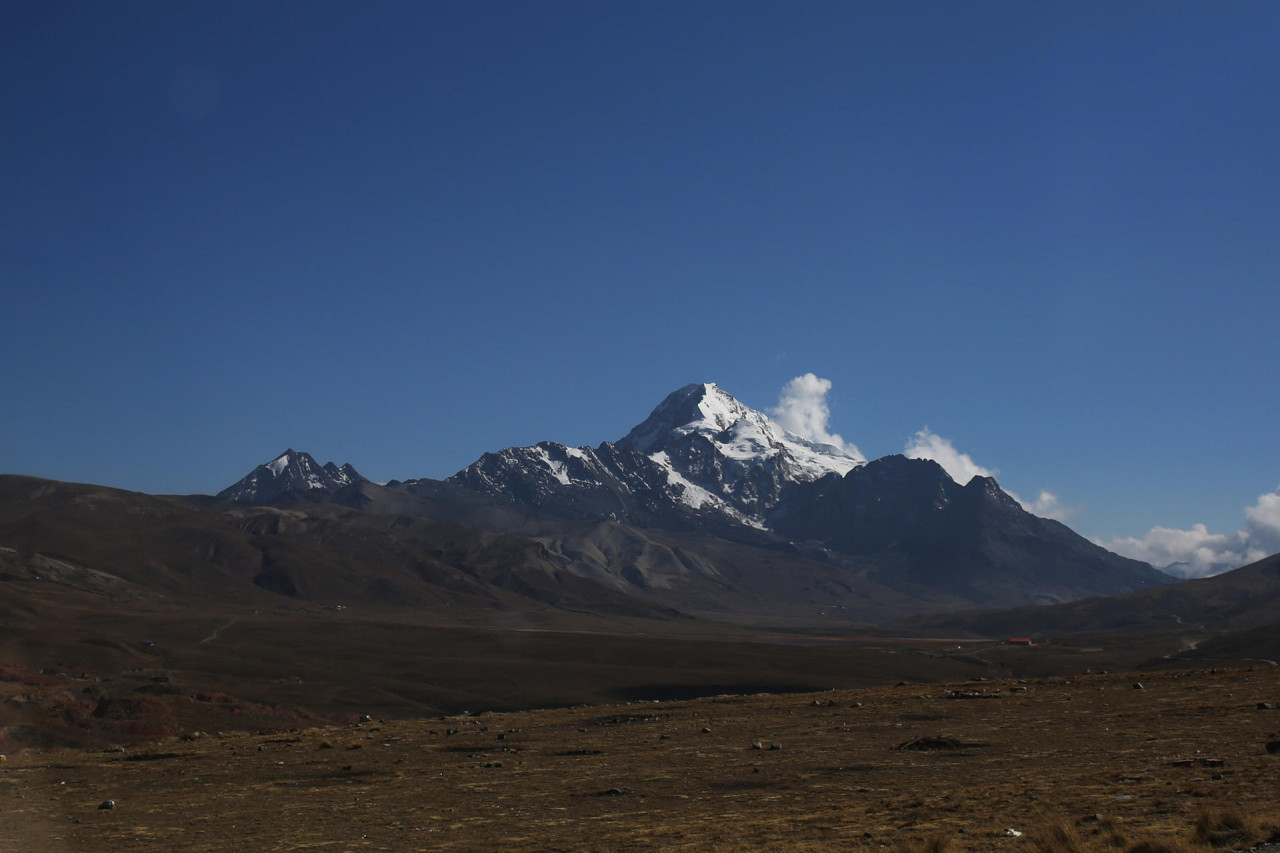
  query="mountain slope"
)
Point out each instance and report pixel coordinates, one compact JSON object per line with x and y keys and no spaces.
{"x":974,"y":542}
{"x":324,"y":554}
{"x":1244,"y":599}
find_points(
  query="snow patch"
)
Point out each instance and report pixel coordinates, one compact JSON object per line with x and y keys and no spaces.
{"x":558,"y":469}
{"x":275,"y":466}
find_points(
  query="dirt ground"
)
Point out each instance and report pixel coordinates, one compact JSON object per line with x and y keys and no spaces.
{"x":1115,"y":763}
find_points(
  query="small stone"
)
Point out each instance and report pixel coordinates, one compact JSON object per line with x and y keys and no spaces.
{"x":1137,"y":685}
{"x":107,"y":804}
{"x":1266,"y":706}
{"x":706,"y":731}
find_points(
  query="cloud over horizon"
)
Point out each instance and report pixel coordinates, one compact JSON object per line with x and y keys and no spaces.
{"x":1199,"y":553}
{"x":927,"y":444}
{"x":802,"y":409}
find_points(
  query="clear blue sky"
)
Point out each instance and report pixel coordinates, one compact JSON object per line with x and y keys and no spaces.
{"x":403,"y":234}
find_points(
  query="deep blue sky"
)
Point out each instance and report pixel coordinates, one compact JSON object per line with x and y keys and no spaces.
{"x":403,"y":234}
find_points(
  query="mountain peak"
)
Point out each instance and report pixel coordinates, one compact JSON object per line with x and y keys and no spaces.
{"x":738,"y":431}
{"x":291,"y":473}
{"x":701,"y":407}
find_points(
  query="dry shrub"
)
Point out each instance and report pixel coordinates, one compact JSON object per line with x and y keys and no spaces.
{"x":1057,"y":836}
{"x":1227,"y":828}
{"x":1115,"y":835}
{"x":932,"y":844}
{"x":1163,"y":845}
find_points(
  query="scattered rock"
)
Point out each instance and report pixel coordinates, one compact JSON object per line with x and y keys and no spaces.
{"x":1266,"y":706}
{"x":1137,"y":685}
{"x":107,"y":804}
{"x":1012,"y":833}
{"x":611,"y":792}
{"x":706,"y":731}
{"x":928,"y":744}
{"x":325,"y":744}
{"x":1202,"y":762}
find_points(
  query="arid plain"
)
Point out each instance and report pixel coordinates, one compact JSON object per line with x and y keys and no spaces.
{"x":1093,"y":761}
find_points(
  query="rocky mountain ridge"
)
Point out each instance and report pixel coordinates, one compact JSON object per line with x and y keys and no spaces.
{"x":709,"y":504}
{"x":291,"y":475}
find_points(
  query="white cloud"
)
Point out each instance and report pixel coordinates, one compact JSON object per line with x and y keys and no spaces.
{"x":1201,"y":553}
{"x":1047,"y":505}
{"x":802,"y":409}
{"x":1262,"y":520}
{"x":927,"y":444}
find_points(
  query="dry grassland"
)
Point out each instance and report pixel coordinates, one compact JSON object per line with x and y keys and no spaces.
{"x":1082,"y":763}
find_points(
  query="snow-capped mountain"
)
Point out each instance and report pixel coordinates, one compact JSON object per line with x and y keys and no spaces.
{"x":290,"y":474}
{"x":708,"y":503}
{"x":703,"y":462}
{"x":700,"y":453}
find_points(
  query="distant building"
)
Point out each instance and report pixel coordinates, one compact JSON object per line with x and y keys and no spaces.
{"x":1020,"y":641}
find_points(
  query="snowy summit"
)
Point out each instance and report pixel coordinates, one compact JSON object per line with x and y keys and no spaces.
{"x":738,"y":432}
{"x":699,"y":451}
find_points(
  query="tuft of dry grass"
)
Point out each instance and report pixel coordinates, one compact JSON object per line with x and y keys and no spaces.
{"x":1057,"y":835}
{"x":1226,"y":828}
{"x":933,"y":844}
{"x":1163,"y":845}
